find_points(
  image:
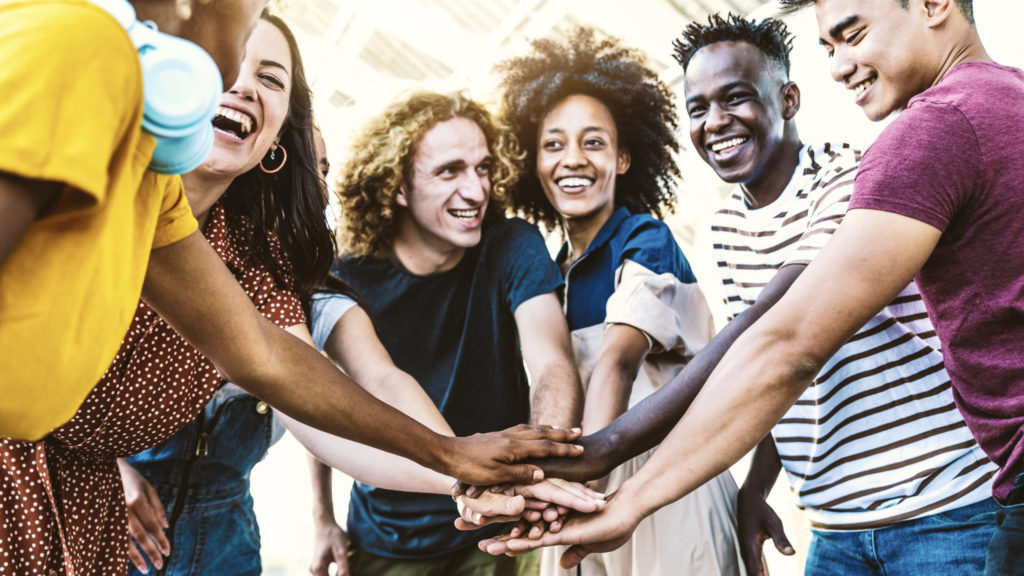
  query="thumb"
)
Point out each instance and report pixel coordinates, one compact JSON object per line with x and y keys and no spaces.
{"x":524,"y":474}
{"x":573,"y":556}
{"x":778,"y":533}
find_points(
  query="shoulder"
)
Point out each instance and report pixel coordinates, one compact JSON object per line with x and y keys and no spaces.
{"x":648,"y":241}
{"x":63,"y":28}
{"x":512,"y":238}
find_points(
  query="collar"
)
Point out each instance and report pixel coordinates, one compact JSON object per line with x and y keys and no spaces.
{"x":607,"y":231}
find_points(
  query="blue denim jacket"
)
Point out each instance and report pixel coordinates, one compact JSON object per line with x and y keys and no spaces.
{"x":213,"y":527}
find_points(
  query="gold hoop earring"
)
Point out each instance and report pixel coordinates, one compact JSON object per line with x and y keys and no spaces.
{"x":273,"y":154}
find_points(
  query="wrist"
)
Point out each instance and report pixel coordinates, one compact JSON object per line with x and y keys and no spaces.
{"x":635,"y":500}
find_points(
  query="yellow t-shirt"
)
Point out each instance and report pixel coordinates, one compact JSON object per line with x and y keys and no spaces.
{"x":71,"y":89}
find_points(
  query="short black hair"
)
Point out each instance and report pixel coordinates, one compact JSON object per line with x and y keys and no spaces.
{"x":770,"y":36}
{"x":966,"y":6}
{"x":640,"y":103}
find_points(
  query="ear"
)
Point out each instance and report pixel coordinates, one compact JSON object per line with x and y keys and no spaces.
{"x":401,"y":198}
{"x":790,"y":100}
{"x":936,"y":12}
{"x":622,"y":163}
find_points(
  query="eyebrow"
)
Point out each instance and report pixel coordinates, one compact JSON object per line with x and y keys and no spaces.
{"x":557,"y":130}
{"x":836,"y":31}
{"x":275,"y":64}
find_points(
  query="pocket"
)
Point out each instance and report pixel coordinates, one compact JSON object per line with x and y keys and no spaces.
{"x":977,"y":514}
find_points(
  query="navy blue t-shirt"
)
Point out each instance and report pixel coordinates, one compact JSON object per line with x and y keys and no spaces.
{"x":455,"y":333}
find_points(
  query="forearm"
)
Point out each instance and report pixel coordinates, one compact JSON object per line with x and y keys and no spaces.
{"x":764,"y":468}
{"x":556,"y":398}
{"x":192,"y":290}
{"x":323,"y":493}
{"x":753,"y":386}
{"x":645,"y":425}
{"x":368,"y":465}
{"x":623,"y":350}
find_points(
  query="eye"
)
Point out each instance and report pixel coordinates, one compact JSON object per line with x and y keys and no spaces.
{"x":696,"y":111}
{"x":738,"y":97}
{"x":552,"y":145}
{"x":272,"y":80}
{"x":484,"y":169}
{"x":593,"y":143}
{"x":853,"y":36}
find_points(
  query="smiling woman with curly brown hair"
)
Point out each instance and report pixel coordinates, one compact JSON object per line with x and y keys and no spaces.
{"x":374,"y":175}
{"x":598,"y":128}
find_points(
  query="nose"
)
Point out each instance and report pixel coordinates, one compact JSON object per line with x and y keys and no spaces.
{"x":475,"y":187}
{"x":717,"y":118}
{"x":842,"y":66}
{"x":574,"y":156}
{"x":244,"y":86}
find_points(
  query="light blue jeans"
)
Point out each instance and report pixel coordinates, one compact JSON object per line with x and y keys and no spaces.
{"x":949,"y":543}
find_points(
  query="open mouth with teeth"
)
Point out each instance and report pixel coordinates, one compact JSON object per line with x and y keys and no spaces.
{"x":726,"y":146}
{"x":466,"y":215}
{"x":861,"y":87}
{"x":233,"y":123}
{"x":574,"y":183}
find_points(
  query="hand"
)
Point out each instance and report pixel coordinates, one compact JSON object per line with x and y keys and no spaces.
{"x":602,"y":531}
{"x":597,"y":460}
{"x":548,"y":500}
{"x":757,"y":522}
{"x":330,"y":546}
{"x":146,"y":519}
{"x":488,"y":459}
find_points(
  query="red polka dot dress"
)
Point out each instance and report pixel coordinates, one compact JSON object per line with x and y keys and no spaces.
{"x":62,"y":506}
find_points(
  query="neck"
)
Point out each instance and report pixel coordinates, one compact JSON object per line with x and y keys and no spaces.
{"x":162,"y":12}
{"x":422,"y":257}
{"x":203,"y":191}
{"x":968,"y":48}
{"x":767,"y":187}
{"x":582,"y":231}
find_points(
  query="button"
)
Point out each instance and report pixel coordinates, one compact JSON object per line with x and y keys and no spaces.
{"x":262,"y":407}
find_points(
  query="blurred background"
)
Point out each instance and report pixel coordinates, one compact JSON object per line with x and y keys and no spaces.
{"x":359,"y":54}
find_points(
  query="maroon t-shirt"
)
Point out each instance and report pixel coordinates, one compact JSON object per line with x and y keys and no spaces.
{"x":954,"y":159}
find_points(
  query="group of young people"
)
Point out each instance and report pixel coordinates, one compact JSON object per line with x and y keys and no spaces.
{"x":869,"y":353}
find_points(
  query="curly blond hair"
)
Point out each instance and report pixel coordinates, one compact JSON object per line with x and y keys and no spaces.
{"x":382,"y":161}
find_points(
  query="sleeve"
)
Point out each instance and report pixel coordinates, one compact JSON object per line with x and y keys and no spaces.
{"x":925,"y":166}
{"x":675,"y":315}
{"x":176,"y":220}
{"x":327,"y":309}
{"x":528,"y":268}
{"x":830,"y":193}
{"x":652,"y":245}
{"x":72,"y":93}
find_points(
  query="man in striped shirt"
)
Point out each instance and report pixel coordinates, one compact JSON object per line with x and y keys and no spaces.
{"x":875,"y":442}
{"x":874,"y":448}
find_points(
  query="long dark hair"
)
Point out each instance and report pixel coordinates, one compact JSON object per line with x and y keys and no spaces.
{"x":291,"y":202}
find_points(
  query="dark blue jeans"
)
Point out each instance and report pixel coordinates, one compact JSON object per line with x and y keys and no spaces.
{"x":1006,"y":549}
{"x":948,"y":543}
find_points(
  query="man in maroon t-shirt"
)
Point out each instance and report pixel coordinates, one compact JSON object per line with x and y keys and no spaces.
{"x":939,"y":198}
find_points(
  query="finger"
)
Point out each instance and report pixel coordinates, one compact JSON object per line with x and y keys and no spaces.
{"x":550,"y":514}
{"x":150,"y":520}
{"x":475,"y":491}
{"x":342,"y":564}
{"x":778,"y":533}
{"x":532,"y":516}
{"x":544,"y":449}
{"x":573,"y":556}
{"x":553,"y":493}
{"x":156,"y":506}
{"x":459,"y":488}
{"x":143,"y":541}
{"x":527,"y":432}
{"x":319,"y":567}
{"x":136,"y":558}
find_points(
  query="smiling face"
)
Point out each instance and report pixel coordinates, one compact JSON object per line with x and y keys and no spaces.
{"x":738,"y":104}
{"x":878,"y":50}
{"x":578,"y":159}
{"x":445,"y":196}
{"x":253,"y":111}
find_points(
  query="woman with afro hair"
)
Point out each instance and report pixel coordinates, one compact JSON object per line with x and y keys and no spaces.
{"x":598,"y":130}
